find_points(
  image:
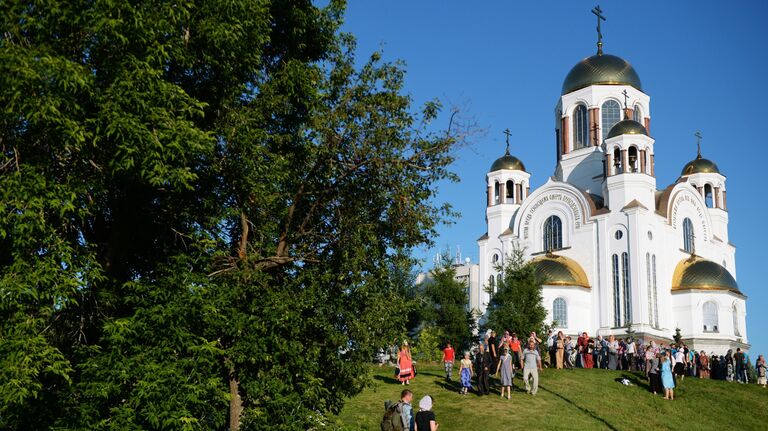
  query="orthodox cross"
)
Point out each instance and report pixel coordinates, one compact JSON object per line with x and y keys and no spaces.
{"x":508,"y":133}
{"x":599,"y":13}
{"x":698,"y":142}
{"x":626,"y":96}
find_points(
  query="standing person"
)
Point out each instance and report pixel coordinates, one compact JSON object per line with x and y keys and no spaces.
{"x":536,"y":340}
{"x":531,"y":363}
{"x":507,"y":372}
{"x":679,"y":363}
{"x":703,"y":365}
{"x":631,"y":354}
{"x":483,"y":363}
{"x":738,"y":361}
{"x":666,"y":377}
{"x":729,"y":366}
{"x":449,"y":356}
{"x":581,"y":343}
{"x":425,"y":418}
{"x":505,"y":342}
{"x":550,"y":348}
{"x":613,"y":352}
{"x":405,"y":365}
{"x":559,"y":350}
{"x":516,"y":348}
{"x":760,"y":367}
{"x":465,"y":374}
{"x":591,"y":354}
{"x":492,"y":349}
{"x":653,"y":375}
{"x":568,"y":352}
{"x":602,"y":354}
{"x":406,"y":411}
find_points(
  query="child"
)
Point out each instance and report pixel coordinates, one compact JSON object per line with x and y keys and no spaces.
{"x":507,"y":373}
{"x":666,"y":378}
{"x":465,"y":373}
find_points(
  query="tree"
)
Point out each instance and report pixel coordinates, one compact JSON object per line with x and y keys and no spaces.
{"x":201,"y":207}
{"x":678,"y":337}
{"x":446,"y":305}
{"x":517,"y":303}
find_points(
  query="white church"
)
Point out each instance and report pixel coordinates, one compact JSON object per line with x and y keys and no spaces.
{"x":613,"y":247}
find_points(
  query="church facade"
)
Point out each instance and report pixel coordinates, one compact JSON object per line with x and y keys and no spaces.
{"x":612,"y":247}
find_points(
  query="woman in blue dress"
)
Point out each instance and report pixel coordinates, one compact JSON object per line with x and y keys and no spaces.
{"x":465,"y":372}
{"x":666,"y":377}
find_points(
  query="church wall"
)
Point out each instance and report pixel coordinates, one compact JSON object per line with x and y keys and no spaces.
{"x":578,"y":305}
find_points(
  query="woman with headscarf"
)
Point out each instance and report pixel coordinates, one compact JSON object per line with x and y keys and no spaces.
{"x":703,"y":365}
{"x":559,"y":349}
{"x":425,"y":418}
{"x":405,"y":364}
{"x":666,"y":377}
{"x":760,"y":367}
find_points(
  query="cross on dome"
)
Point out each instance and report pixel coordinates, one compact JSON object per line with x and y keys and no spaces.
{"x":599,"y":13}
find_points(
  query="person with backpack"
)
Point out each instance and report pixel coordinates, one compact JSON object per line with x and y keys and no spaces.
{"x":399,"y":416}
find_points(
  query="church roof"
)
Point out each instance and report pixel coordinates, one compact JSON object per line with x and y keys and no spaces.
{"x":634,"y":204}
{"x":627,"y":127}
{"x":507,"y":161}
{"x":602,"y":69}
{"x":700,"y":165}
{"x":699,"y":273}
{"x":556,"y":270}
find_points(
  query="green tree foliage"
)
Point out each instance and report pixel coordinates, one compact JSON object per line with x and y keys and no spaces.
{"x":201,"y":208}
{"x":427,"y":348}
{"x":678,"y":337}
{"x":445,"y":306}
{"x":517,"y":303}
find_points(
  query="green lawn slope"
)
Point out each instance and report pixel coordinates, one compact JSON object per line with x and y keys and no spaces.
{"x":572,"y":399}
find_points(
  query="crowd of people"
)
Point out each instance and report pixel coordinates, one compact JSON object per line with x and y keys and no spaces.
{"x":663,"y":365}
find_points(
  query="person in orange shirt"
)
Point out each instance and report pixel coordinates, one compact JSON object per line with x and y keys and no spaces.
{"x":515,"y":348}
{"x":449,"y":356}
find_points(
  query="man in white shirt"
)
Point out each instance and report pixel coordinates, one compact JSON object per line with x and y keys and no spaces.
{"x":531,"y":364}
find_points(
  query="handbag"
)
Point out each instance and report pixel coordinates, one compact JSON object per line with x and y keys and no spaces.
{"x":397,"y":371}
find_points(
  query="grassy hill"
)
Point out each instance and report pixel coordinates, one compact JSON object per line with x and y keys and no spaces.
{"x":576,"y":399}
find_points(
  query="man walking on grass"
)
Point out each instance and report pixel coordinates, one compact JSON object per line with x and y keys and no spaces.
{"x":531,"y":364}
{"x":483,"y":366}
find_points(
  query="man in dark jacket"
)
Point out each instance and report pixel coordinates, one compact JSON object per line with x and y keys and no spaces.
{"x":483,"y":363}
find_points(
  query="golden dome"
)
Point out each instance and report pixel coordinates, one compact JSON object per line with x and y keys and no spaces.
{"x":507,"y":161}
{"x":627,"y":127}
{"x":559,"y":271}
{"x":699,"y":273}
{"x":603,"y":69}
{"x":700,"y":165}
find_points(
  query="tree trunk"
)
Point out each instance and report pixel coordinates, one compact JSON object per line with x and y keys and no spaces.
{"x":235,"y":403}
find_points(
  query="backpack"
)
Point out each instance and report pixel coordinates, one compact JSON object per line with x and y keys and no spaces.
{"x":392,"y":420}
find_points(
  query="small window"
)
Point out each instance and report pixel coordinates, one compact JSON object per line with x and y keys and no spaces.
{"x":650,"y":236}
{"x":560,"y":313}
{"x":580,"y":127}
{"x":637,"y":114}
{"x":709,"y":312}
{"x":495,"y":258}
{"x":736,"y":331}
{"x":619,"y":234}
{"x":510,"y":197}
{"x":553,"y":234}
{"x":611,"y":114}
{"x":688,"y":236}
{"x":616,"y":292}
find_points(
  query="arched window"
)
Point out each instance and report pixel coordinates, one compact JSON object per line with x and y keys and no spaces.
{"x":618,"y":163}
{"x":496,"y":192}
{"x":633,"y":159}
{"x":611,"y":113}
{"x":710,"y":316}
{"x":637,"y":114}
{"x":616,"y":292}
{"x":560,"y":313}
{"x":627,"y":288}
{"x":688,"y":244}
{"x":649,"y":284}
{"x":492,"y":284}
{"x":553,"y":233}
{"x":510,"y":198}
{"x":708,"y":195}
{"x":736,"y":331}
{"x":580,"y":127}
{"x":498,"y":281}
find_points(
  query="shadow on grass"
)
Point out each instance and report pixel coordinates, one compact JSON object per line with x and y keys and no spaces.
{"x":450,"y":385}
{"x":385,"y":379}
{"x":586,"y":411}
{"x":637,"y":379}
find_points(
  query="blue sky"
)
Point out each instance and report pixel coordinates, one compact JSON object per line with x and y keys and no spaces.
{"x":703,"y":63}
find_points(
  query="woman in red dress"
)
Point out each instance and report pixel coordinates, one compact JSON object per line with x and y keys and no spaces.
{"x":405,"y":364}
{"x":586,"y":351}
{"x":704,"y":365}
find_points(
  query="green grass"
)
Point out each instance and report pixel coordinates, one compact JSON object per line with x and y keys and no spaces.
{"x":576,"y":399}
